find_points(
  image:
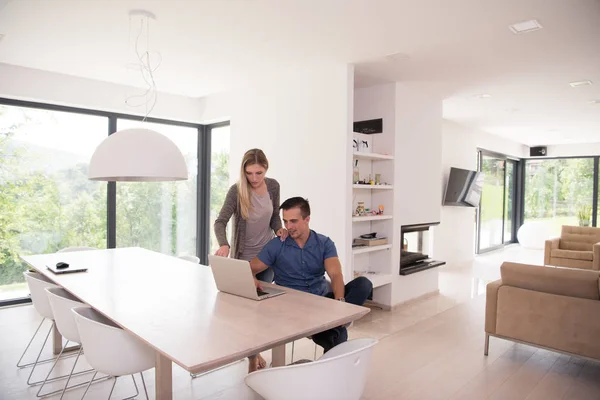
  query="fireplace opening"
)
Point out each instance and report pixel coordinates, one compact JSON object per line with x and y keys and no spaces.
{"x":414,"y":254}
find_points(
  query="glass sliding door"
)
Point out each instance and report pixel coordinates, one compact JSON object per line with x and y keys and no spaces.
{"x":491,"y":208}
{"x":46,"y":200}
{"x":509,"y":200}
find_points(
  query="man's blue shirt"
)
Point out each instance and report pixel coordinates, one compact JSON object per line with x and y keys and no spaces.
{"x":300,"y":268}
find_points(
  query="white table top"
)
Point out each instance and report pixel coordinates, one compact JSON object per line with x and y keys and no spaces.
{"x":175,"y":307}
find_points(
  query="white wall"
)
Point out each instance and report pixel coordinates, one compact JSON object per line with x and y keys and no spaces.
{"x":301,"y":120}
{"x":417,"y":179}
{"x":21,"y":83}
{"x":454,"y":237}
{"x":579,"y":149}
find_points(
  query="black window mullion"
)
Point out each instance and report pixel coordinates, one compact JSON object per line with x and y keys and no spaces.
{"x":111,"y":199}
{"x":595,"y":194}
{"x":203,"y":194}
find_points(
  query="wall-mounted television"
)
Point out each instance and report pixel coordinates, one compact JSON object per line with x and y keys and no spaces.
{"x":463,"y":188}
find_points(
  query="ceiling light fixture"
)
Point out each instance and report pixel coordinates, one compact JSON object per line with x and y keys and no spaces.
{"x":597,"y":101}
{"x":139,"y":155}
{"x":580,"y":83}
{"x":483,"y":96}
{"x":525,"y":26}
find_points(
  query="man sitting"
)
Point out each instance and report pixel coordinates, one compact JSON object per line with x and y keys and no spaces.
{"x":300,"y":262}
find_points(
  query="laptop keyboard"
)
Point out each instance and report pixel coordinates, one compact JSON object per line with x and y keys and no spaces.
{"x":260,"y":292}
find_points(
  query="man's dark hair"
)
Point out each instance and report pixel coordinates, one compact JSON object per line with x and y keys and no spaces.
{"x":297,"y":202}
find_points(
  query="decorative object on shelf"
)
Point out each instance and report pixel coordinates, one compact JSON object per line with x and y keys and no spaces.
{"x":355,"y":173}
{"x":369,"y":127}
{"x":140,"y":155}
{"x":364,"y":143}
{"x":381,"y":208}
{"x":377,"y":179}
{"x":376,"y":241}
{"x":360,"y":210}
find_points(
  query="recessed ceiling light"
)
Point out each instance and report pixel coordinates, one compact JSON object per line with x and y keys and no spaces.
{"x":483,"y":96}
{"x":580,"y":83}
{"x":525,"y":26}
{"x":594,"y":101}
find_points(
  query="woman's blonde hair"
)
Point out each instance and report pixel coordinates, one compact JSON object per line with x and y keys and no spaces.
{"x":252,"y":156}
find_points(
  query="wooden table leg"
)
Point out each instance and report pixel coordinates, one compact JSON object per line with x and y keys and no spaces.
{"x":278,"y":356}
{"x":56,"y":340}
{"x":164,"y":378}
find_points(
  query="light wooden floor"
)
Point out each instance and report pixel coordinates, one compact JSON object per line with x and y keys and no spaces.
{"x":431,"y":349}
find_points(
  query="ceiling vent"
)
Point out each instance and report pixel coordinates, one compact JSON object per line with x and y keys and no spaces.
{"x":525,"y":26}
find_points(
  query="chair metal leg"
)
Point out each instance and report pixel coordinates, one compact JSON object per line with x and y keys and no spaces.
{"x":113,"y":387}
{"x":52,"y":369}
{"x":29,"y":344}
{"x":39,"y":354}
{"x":89,"y":384}
{"x":71,"y":374}
{"x":486,"y":346}
{"x":137,"y":391}
{"x":144,"y":384}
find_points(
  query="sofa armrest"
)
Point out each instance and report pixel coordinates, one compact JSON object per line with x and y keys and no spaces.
{"x":491,"y":305}
{"x":596,"y":257}
{"x":550,"y":245}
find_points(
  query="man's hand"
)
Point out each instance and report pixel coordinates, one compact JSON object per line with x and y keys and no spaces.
{"x":222,"y":251}
{"x":257,"y":284}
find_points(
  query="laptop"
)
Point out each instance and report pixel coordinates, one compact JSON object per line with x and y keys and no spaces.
{"x":235,"y":277}
{"x":60,"y":268}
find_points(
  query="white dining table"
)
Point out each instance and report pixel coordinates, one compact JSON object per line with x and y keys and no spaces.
{"x":174,"y":307}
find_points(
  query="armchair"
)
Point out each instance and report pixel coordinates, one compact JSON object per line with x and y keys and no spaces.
{"x":577,"y":247}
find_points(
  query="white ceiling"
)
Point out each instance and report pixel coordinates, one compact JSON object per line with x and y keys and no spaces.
{"x":456,"y":49}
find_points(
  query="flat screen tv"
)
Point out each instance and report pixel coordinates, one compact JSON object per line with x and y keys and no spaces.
{"x":463,"y":188}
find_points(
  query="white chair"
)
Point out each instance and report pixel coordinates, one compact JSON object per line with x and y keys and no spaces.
{"x":111,"y":350}
{"x":76,"y":248}
{"x":190,"y":258}
{"x":61,"y":303}
{"x":36,"y":284}
{"x":339,"y":374}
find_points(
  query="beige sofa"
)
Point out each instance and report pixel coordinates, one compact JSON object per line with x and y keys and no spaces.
{"x":549,"y":307}
{"x":577,"y":247}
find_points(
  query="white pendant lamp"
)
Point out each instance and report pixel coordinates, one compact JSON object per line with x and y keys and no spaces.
{"x":137,"y":155}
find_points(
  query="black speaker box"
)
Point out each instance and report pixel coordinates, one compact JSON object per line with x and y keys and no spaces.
{"x":369,"y":127}
{"x":539,"y":151}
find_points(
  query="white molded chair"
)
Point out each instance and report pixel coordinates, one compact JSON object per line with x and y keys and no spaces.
{"x":61,"y":303}
{"x":190,"y":258}
{"x":111,"y":350}
{"x":340,"y":374}
{"x":36,"y":284}
{"x":76,"y":248}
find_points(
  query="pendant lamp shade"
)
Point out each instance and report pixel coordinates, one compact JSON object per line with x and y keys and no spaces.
{"x":137,"y":155}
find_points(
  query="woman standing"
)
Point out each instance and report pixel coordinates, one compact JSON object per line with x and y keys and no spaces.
{"x":254,"y":203}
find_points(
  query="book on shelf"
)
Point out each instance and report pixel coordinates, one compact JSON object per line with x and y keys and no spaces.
{"x":371,"y":242}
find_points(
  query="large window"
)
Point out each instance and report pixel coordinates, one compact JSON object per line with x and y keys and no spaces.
{"x":160,"y":216}
{"x":46,"y":201}
{"x":219,"y":179}
{"x":559,"y":191}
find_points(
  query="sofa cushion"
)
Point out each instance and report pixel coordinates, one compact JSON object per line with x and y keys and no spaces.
{"x":554,"y":280}
{"x":574,"y":254}
{"x":579,"y":237}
